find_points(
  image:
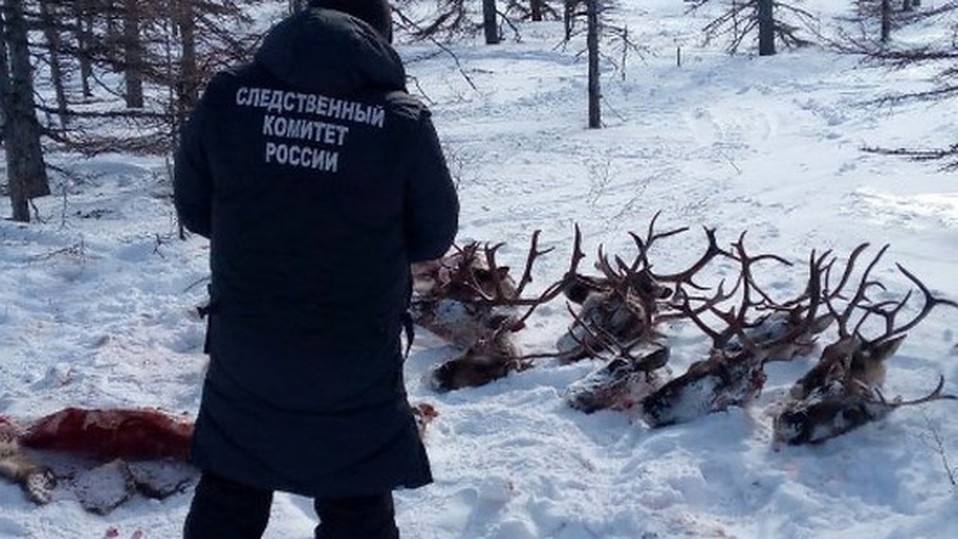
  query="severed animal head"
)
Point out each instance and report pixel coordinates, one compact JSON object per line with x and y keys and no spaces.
{"x":466,"y":295}
{"x":494,"y":354}
{"x":622,"y":381}
{"x":490,"y":358}
{"x":624,"y":305}
{"x":449,"y":294}
{"x":463,"y":275}
{"x":844,"y":390}
{"x":733,"y":374}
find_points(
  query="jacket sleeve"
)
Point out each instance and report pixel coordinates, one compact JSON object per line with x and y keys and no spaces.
{"x":192,"y":181}
{"x":432,"y":205}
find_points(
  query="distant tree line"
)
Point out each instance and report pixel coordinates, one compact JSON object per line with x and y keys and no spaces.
{"x":94,"y":76}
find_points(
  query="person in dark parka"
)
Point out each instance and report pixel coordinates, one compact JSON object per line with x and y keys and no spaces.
{"x":318,"y":180}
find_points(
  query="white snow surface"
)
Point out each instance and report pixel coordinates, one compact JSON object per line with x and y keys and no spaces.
{"x":96,"y":303}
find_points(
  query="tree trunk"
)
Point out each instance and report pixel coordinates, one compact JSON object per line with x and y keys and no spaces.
{"x":592,"y":43}
{"x":568,"y":9}
{"x":885,"y":20}
{"x":26,"y":170}
{"x":84,"y":31}
{"x":907,"y":5}
{"x":489,"y":21}
{"x":132,"y":54}
{"x":535,"y":8}
{"x":766,"y":27}
{"x":188,"y":79}
{"x":52,"y":35}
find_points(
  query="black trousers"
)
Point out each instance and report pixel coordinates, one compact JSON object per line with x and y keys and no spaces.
{"x":225,"y":509}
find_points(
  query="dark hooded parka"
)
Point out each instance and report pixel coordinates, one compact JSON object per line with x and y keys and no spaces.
{"x":318,"y":181}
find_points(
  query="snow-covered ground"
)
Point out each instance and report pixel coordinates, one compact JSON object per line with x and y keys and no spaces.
{"x":96,"y":304}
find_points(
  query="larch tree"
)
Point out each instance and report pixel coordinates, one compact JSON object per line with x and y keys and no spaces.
{"x":26,"y":170}
{"x":768,"y":21}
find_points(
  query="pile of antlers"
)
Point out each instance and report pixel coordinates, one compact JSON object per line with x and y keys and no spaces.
{"x":470,"y":300}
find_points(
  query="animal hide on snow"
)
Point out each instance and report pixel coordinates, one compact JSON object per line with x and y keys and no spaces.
{"x":100,"y":457}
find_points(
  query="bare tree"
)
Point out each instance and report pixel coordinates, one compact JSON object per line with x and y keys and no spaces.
{"x":942,"y":57}
{"x":490,"y":22}
{"x":602,"y":35}
{"x":187,"y":80}
{"x":51,"y":32}
{"x":885,"y":20}
{"x":26,"y":170}
{"x":83,"y":31}
{"x":773,"y":20}
{"x":766,"y":27}
{"x":536,"y":9}
{"x":880,"y":13}
{"x":531,"y":10}
{"x":165,"y":51}
{"x":133,"y":54}
{"x":595,"y":85}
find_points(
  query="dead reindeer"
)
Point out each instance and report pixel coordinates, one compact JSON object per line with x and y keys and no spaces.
{"x":831,"y":413}
{"x":732,"y":375}
{"x":467,"y":295}
{"x":103,"y":457}
{"x":844,"y":390}
{"x":630,"y":373}
{"x":494,"y":354}
{"x":782,"y":319}
{"x":624,"y":305}
{"x":492,"y":357}
{"x":445,"y":300}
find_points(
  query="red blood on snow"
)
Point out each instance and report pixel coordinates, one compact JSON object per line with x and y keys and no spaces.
{"x":112,"y":434}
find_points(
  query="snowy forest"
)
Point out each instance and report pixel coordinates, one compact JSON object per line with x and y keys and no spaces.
{"x":704,"y":282}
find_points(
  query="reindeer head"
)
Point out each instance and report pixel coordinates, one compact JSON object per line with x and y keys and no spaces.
{"x":454,"y":296}
{"x":733,"y":374}
{"x":492,"y":357}
{"x":493,"y":354}
{"x":844,"y":390}
{"x":855,"y":360}
{"x":622,"y":382}
{"x":625,"y":302}
{"x":460,"y":274}
{"x":826,"y":415}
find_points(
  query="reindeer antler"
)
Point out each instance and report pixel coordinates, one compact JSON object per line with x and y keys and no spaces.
{"x":534,"y":253}
{"x":609,"y":342}
{"x":712,"y":251}
{"x":890,"y":315}
{"x":861,"y":293}
{"x":887,"y":310}
{"x":933,"y":396}
{"x":500,"y":297}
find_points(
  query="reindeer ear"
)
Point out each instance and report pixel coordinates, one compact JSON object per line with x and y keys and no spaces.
{"x":886,"y":349}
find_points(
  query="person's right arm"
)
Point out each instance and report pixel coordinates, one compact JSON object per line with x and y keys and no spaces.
{"x":432,"y":205}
